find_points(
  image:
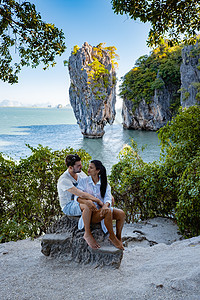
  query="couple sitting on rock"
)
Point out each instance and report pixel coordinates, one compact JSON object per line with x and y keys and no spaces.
{"x":90,"y":197}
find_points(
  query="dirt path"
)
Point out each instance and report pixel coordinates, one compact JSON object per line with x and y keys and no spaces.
{"x":158,"y":272}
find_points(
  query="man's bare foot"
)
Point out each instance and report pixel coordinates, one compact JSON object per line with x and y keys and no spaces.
{"x":91,"y":241}
{"x":118,"y":244}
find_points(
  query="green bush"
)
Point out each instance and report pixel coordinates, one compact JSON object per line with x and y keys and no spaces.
{"x":180,"y":138}
{"x":169,"y":187}
{"x":188,"y":206}
{"x":140,"y":188}
{"x":29,"y":198}
{"x":128,"y":196}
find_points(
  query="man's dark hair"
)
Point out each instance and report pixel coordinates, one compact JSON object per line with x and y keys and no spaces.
{"x":71,"y":159}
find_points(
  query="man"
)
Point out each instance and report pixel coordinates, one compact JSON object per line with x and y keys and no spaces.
{"x":85,"y":205}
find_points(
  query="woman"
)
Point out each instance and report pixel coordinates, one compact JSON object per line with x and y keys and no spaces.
{"x":96,"y":184}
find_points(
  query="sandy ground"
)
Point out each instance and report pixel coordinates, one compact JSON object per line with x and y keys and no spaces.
{"x":168,"y":270}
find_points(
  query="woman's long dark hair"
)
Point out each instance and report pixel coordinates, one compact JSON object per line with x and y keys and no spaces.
{"x":102,"y":173}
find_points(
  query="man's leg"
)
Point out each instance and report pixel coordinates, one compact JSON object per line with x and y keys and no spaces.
{"x":108,"y":223}
{"x":119,"y":216}
{"x":86,"y":215}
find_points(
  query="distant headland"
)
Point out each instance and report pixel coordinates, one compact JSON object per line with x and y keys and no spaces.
{"x":11,"y":103}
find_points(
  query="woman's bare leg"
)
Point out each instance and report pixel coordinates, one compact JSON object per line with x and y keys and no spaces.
{"x":86,"y":215}
{"x":119,"y":216}
{"x":112,"y":237}
{"x":108,"y":223}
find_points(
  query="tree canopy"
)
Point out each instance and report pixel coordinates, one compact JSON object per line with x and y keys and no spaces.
{"x":178,"y":19}
{"x":23,"y":32}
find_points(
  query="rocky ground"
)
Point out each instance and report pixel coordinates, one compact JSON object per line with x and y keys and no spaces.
{"x":157,"y":264}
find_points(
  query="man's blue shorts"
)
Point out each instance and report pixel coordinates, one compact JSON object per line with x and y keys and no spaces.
{"x":72,"y":209}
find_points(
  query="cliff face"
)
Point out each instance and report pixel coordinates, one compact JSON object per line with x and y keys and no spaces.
{"x":148,"y":116}
{"x":156,"y":114}
{"x":190,"y":75}
{"x":92,"y":96}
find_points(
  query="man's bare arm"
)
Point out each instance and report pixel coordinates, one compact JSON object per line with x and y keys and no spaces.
{"x":84,"y":195}
{"x":88,"y":202}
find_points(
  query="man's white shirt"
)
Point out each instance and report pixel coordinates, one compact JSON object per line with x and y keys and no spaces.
{"x":66,"y":182}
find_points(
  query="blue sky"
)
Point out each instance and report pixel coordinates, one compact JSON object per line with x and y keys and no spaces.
{"x":91,"y":21}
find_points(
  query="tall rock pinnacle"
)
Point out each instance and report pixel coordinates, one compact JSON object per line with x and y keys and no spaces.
{"x":93,"y":88}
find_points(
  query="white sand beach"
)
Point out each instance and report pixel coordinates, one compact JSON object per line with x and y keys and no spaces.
{"x":168,"y":270}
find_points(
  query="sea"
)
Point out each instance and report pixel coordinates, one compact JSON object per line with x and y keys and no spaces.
{"x":57,"y":129}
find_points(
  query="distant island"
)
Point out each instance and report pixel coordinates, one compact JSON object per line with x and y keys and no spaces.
{"x":10,"y":103}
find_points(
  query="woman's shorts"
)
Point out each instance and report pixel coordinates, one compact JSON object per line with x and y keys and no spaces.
{"x":72,"y":209}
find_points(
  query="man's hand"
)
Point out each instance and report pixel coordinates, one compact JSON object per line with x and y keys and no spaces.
{"x":91,"y":205}
{"x":88,"y":202}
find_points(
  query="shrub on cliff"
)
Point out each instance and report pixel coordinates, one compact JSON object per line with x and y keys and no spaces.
{"x":29,"y":199}
{"x":161,"y":68}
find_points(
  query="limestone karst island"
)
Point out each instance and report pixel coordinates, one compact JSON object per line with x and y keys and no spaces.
{"x":93,"y":88}
{"x":152,"y":91}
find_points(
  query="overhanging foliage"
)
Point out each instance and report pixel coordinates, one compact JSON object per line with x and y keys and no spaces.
{"x":178,"y":20}
{"x":25,"y":35}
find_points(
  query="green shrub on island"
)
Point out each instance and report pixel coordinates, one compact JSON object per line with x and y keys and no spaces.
{"x":29,"y":198}
{"x":158,"y":70}
{"x":169,"y":187}
{"x":98,"y":72}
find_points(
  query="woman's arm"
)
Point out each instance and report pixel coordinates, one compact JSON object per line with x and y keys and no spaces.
{"x":108,"y":196}
{"x":107,"y":201}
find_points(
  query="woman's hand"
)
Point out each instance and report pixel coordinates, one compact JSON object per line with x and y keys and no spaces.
{"x":104,"y":210}
{"x":99,"y":202}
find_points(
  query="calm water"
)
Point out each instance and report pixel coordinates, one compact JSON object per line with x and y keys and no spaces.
{"x":57,"y":129}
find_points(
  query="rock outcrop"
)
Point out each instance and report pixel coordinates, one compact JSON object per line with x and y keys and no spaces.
{"x":64,"y":241}
{"x":190,"y":76}
{"x":93,"y":89}
{"x":156,"y":114}
{"x":148,"y":116}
